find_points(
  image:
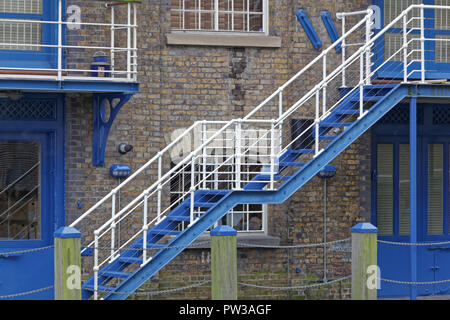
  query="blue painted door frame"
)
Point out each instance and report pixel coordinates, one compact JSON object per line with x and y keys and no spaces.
{"x":34,"y":270}
{"x":439,"y":70}
{"x":395,"y":260}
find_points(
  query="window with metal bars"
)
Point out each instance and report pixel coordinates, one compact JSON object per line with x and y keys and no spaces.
{"x":249,"y":16}
{"x":243,"y":218}
{"x":26,"y":40}
{"x":19,"y":35}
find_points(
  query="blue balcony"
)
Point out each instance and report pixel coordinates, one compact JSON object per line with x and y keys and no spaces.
{"x":53,"y":48}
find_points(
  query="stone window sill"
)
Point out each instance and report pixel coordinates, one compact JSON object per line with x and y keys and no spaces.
{"x":221,"y":40}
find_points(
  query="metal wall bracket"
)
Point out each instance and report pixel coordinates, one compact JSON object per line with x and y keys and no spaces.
{"x":106,"y":108}
{"x":309,"y":29}
{"x":331,"y":29}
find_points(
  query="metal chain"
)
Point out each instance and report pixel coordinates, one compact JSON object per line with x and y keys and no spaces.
{"x":413,"y":244}
{"x":25,"y":293}
{"x":415,"y":283}
{"x":295,"y":287}
{"x":292,"y":246}
{"x":25,"y":251}
{"x":164,"y":248}
{"x":243,"y":244}
{"x":140,"y":293}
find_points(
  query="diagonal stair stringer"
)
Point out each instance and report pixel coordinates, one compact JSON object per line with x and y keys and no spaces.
{"x":292,"y":184}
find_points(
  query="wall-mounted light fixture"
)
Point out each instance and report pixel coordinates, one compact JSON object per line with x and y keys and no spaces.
{"x":124,"y":148}
{"x":327,"y":172}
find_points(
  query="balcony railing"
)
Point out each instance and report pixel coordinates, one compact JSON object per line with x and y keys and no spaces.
{"x":68,"y":48}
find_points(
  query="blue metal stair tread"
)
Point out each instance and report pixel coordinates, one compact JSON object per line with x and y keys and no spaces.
{"x":327,"y":137}
{"x":115,"y":274}
{"x":164,"y":231}
{"x":267,"y":177}
{"x":292,"y":164}
{"x":131,"y":260}
{"x":199,"y":204}
{"x":335,"y":124}
{"x":214,"y":191}
{"x":374,"y":97}
{"x":344,"y":112}
{"x":302,"y":151}
{"x":149,"y":245}
{"x":90,"y":287}
{"x":179,"y":218}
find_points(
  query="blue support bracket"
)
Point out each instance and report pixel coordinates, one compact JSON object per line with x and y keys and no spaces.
{"x":331,"y":29}
{"x":309,"y":29}
{"x":103,"y":121}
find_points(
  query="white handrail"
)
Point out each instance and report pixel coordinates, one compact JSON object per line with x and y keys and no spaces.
{"x":365,"y":74}
{"x":246,"y":118}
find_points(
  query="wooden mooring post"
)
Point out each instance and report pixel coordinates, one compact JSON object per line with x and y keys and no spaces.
{"x":365,"y":271}
{"x":224,"y":263}
{"x":67,"y":264}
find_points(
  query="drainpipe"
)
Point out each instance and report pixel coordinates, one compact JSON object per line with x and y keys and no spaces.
{"x":325,"y":173}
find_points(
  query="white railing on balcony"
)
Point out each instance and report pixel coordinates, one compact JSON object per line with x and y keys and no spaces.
{"x":81,"y":50}
{"x":233,"y":141}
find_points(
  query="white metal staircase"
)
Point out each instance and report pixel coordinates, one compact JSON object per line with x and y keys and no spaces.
{"x":248,"y":160}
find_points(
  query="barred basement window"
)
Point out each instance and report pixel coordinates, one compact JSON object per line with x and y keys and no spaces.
{"x":249,"y":16}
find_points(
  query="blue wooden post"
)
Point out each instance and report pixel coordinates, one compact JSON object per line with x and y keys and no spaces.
{"x":67,"y":264}
{"x":413,"y":191}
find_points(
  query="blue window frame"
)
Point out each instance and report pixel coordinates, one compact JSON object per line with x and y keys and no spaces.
{"x":437,"y":64}
{"x":39,"y":57}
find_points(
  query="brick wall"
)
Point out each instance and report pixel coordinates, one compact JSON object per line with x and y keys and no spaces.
{"x":182,"y":84}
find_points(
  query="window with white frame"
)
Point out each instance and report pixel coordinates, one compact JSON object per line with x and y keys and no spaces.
{"x":248,"y":16}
